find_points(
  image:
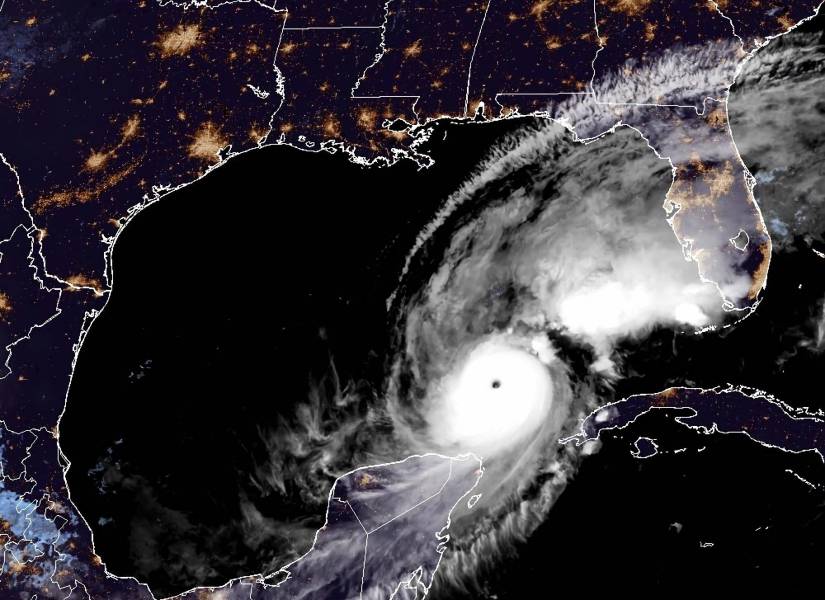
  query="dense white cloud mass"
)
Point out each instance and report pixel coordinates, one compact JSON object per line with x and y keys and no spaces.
{"x":497,"y":394}
{"x":582,"y":247}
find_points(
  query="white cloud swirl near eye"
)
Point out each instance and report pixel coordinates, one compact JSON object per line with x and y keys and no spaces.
{"x":497,"y":394}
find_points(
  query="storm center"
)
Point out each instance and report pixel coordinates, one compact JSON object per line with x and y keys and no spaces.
{"x":476,"y":412}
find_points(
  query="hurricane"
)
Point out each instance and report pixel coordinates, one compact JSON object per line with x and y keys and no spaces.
{"x":515,"y":310}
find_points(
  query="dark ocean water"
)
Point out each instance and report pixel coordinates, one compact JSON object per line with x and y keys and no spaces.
{"x":234,"y":299}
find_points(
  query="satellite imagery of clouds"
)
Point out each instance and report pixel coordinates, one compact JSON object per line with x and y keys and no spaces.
{"x":395,"y":299}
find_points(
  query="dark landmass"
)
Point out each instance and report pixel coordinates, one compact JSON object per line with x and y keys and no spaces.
{"x":386,"y":529}
{"x":763,"y":419}
{"x":645,"y":448}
